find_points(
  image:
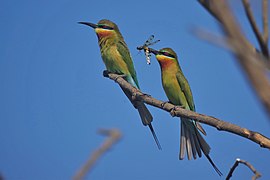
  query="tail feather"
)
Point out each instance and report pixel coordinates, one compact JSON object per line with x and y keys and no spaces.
{"x":145,"y":115}
{"x":182,"y":143}
{"x":147,"y":118}
{"x":214,"y":166}
{"x":188,"y":144}
{"x":192,"y":141}
{"x":193,"y":145}
{"x":198,"y":147}
{"x":199,"y":126}
{"x":206,"y":150}
{"x":155,"y":136}
{"x":203,"y":144}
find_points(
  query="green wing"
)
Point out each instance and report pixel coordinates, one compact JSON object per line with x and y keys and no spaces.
{"x":186,"y":89}
{"x":188,"y":94}
{"x":124,"y":52}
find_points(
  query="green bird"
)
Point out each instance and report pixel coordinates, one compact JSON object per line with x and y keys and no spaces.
{"x":117,"y":59}
{"x":179,"y":93}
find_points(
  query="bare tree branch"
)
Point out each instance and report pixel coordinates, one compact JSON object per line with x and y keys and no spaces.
{"x":208,"y":6}
{"x":221,"y":125}
{"x":210,"y":37}
{"x":256,"y":173}
{"x":250,"y":61}
{"x":265,"y":21}
{"x":219,"y":41}
{"x":255,"y":28}
{"x":114,"y":136}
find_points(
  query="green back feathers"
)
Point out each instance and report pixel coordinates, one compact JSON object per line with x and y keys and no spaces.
{"x":185,"y":89}
{"x":123,"y":50}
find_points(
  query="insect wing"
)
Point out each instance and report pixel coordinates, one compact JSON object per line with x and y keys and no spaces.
{"x":149,"y":41}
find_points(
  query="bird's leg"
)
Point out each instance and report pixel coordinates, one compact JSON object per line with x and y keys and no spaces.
{"x":172,"y":111}
{"x":164,"y":103}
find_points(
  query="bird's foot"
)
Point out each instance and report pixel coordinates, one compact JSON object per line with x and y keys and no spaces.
{"x":133,"y":95}
{"x":181,"y":106}
{"x":175,"y":108}
{"x":172,"y":111}
{"x":120,"y":75}
{"x":144,"y":94}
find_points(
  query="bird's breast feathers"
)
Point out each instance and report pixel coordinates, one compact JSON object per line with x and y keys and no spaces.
{"x":114,"y":61}
{"x":173,"y":90}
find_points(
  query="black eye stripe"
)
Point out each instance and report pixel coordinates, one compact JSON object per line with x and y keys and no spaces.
{"x":168,"y":54}
{"x":105,"y":27}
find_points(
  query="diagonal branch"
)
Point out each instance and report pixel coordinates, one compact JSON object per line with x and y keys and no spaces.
{"x":265,"y":21}
{"x":114,"y":136}
{"x":221,"y":125}
{"x":249,"y":60}
{"x":259,"y":36}
{"x":208,"y":6}
{"x":256,"y":173}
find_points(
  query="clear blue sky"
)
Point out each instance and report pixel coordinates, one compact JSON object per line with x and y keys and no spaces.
{"x":54,"y":98}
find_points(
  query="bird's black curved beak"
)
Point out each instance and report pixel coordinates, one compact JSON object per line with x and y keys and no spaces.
{"x":89,"y":24}
{"x":155,"y":52}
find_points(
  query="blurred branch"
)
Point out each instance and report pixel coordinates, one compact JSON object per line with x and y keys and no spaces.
{"x":251,"y":61}
{"x":218,"y":41}
{"x":114,"y":136}
{"x":208,"y":6}
{"x":221,"y":125}
{"x":259,"y":36}
{"x":210,"y":37}
{"x":265,"y":21}
{"x":256,"y":173}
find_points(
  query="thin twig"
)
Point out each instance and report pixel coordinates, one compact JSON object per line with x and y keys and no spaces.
{"x":221,"y":125}
{"x":256,"y":173}
{"x":255,"y":28}
{"x":265,"y":21}
{"x":114,"y":136}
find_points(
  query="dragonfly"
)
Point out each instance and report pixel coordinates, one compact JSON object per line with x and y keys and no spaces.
{"x":145,"y":47}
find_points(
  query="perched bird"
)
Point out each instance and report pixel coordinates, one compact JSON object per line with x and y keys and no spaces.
{"x":179,"y":93}
{"x":117,"y":59}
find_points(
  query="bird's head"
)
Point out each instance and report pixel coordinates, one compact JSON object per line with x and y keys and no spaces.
{"x":165,"y":56}
{"x":104,"y":28}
